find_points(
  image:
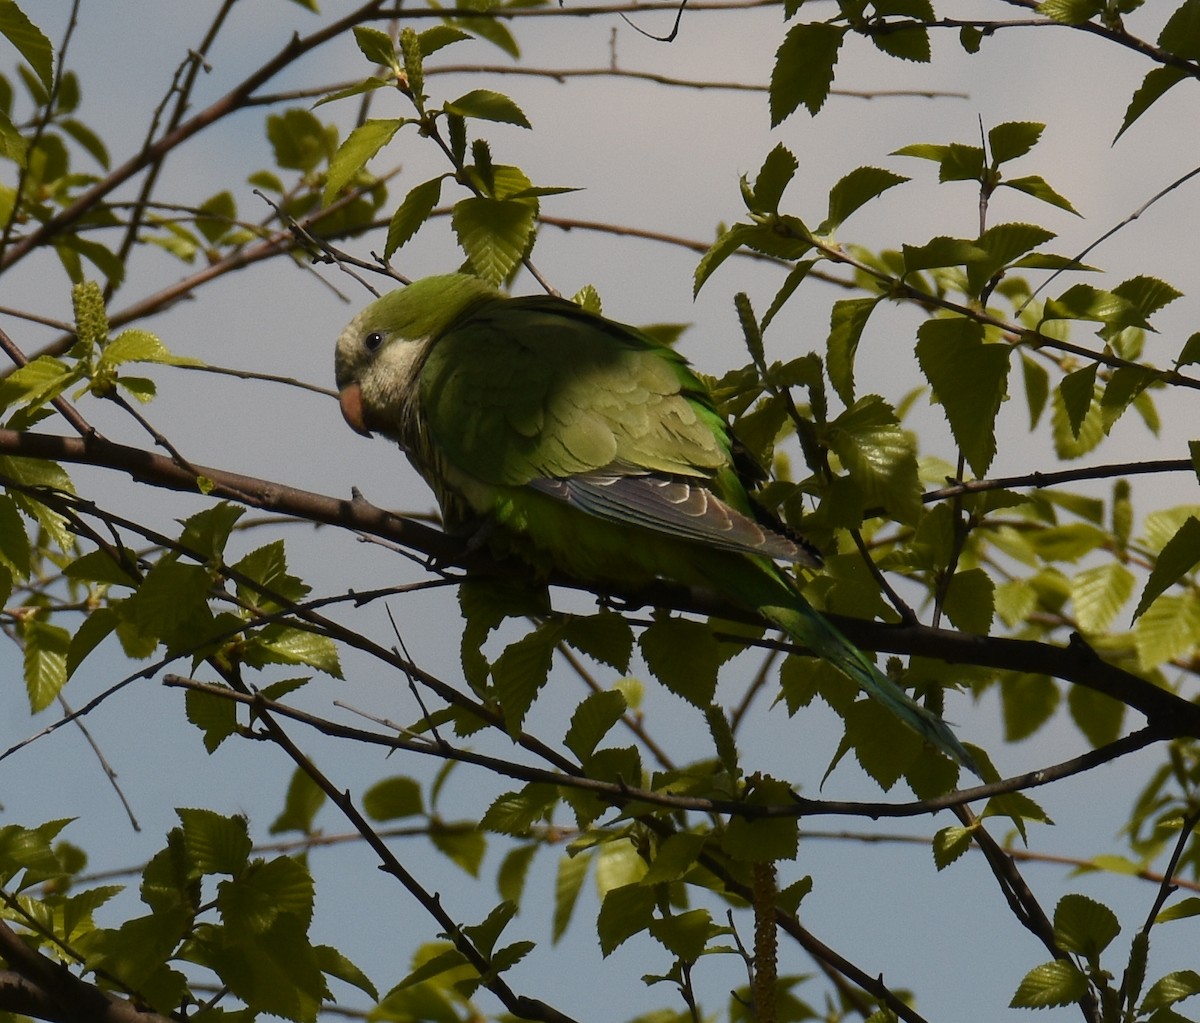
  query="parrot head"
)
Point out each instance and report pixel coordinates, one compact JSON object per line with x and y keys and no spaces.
{"x":380,"y":351}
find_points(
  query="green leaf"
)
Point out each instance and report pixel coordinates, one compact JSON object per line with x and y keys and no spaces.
{"x":1179,"y":556}
{"x":254,"y":900}
{"x":376,"y":45}
{"x":1013,"y":139}
{"x":847,"y":320}
{"x":14,"y":542}
{"x":494,"y":233}
{"x":1078,"y":391}
{"x":1168,"y":628}
{"x":879,"y":455}
{"x":911,"y":43}
{"x":1027,"y":702}
{"x":1037,"y":388}
{"x":592,"y":720}
{"x":803,"y":71}
{"x":285,"y":645}
{"x":776,"y":174}
{"x":685,"y":935}
{"x":970,"y":601}
{"x":1084,"y":926}
{"x":465,"y":849}
{"x":334,"y":964}
{"x":521,"y":671}
{"x":854,"y":190}
{"x":1098,"y":716}
{"x":949,"y":844}
{"x":412,"y":213}
{"x":1155,"y":85}
{"x":515,"y":813}
{"x":675,"y":857}
{"x":605,"y":637}
{"x":141,"y":346}
{"x":45,"y":662}
{"x":571,"y":872}
{"x":684,"y":657}
{"x":352,"y":155}
{"x":1172,"y":988}
{"x":13,"y":146}
{"x":215,"y":844}
{"x":939,"y":252}
{"x":433,"y":39}
{"x":1098,"y":593}
{"x":219,"y":217}
{"x":626,"y":911}
{"x":214,"y":716}
{"x":300,"y":142}
{"x":969,"y":379}
{"x":393,"y":799}
{"x":1035,"y":186}
{"x":30,"y":41}
{"x":1181,"y":34}
{"x":300,"y":806}
{"x":486,"y":105}
{"x":1059,"y":982}
{"x":1070,"y":12}
{"x":1180,"y":910}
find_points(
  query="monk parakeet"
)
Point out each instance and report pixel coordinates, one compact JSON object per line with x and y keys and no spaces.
{"x":585,"y":447}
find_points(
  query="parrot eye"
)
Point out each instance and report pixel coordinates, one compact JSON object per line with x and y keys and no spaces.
{"x":373,"y":340}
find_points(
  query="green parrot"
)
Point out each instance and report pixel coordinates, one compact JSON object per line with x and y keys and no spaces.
{"x":583,"y":446}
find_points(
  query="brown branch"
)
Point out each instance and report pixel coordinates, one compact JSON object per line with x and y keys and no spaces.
{"x":1169,"y":714}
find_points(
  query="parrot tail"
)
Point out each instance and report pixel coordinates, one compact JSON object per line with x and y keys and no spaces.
{"x":809,"y":628}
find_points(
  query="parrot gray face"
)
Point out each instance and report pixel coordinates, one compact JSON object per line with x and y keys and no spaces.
{"x":375,"y":370}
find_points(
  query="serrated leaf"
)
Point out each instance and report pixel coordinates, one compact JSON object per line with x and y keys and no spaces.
{"x":299,"y":140}
{"x":1181,"y":34}
{"x":1084,"y":926}
{"x":969,"y":379}
{"x":515,"y":813}
{"x":1027,"y":702}
{"x":298,"y":646}
{"x":433,"y":39}
{"x":1012,"y":139}
{"x":141,"y":346}
{"x":520,"y":672}
{"x":30,"y":41}
{"x":911,"y":43}
{"x":870,"y":443}
{"x":606,"y":637}
{"x":684,"y":657}
{"x":1037,"y":388}
{"x":465,"y":849}
{"x":854,"y":190}
{"x":1036,"y":186}
{"x":592,"y":720}
{"x":214,"y":716}
{"x":45,"y":662}
{"x":1067,"y":443}
{"x":1180,"y":910}
{"x":775,"y":175}
{"x":686,"y":934}
{"x":352,"y":155}
{"x":568,"y":882}
{"x":1178,"y":556}
{"x":1059,"y":982}
{"x":1172,"y":988}
{"x":494,"y":233}
{"x":847,"y":319}
{"x":1078,"y":392}
{"x":1070,"y":12}
{"x":215,"y":844}
{"x":970,"y":601}
{"x":1155,"y":85}
{"x":486,"y":105}
{"x":412,"y":213}
{"x":949,"y":844}
{"x":939,"y":252}
{"x":1168,"y":628}
{"x":803,"y":71}
{"x":676,"y":856}
{"x":376,"y":45}
{"x":626,"y":911}
{"x":1098,"y":593}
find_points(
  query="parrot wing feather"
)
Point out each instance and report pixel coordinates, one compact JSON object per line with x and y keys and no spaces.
{"x":679,"y":507}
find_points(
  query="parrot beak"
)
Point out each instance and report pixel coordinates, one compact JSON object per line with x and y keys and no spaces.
{"x":350,"y":398}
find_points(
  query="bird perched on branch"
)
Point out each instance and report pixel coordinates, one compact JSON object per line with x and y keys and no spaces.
{"x":587,"y":448}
